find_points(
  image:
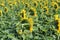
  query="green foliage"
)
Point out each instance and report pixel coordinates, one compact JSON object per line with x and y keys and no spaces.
{"x":13,"y":26}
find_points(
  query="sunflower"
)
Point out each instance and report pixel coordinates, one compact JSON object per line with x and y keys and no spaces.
{"x":56,"y":16}
{"x":35,"y":3}
{"x":30,"y":20}
{"x":58,"y":0}
{"x":0,"y":12}
{"x":59,"y":21}
{"x":46,"y":3}
{"x":23,"y":13}
{"x":6,"y":9}
{"x":34,"y":10}
{"x":46,"y":9}
{"x":55,"y":5}
{"x":2,"y":4}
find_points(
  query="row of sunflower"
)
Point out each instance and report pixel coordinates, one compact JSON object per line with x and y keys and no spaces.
{"x":29,"y":19}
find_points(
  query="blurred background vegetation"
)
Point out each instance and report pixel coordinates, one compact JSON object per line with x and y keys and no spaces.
{"x":29,"y":19}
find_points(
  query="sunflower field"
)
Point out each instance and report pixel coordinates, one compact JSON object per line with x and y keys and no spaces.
{"x":29,"y":19}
